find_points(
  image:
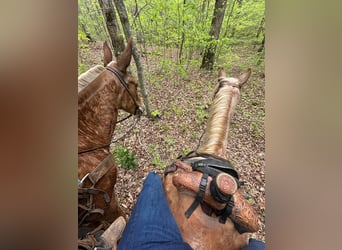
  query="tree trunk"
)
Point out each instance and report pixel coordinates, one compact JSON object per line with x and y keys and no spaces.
{"x":140,"y":31}
{"x":88,"y":12}
{"x":214,"y":33}
{"x":102,"y":27}
{"x":181,"y":16}
{"x":84,"y":26}
{"x":203,"y":7}
{"x":261,"y":48}
{"x":237,"y":17}
{"x":228,"y":19}
{"x":120,"y":6}
{"x":261,"y":27}
{"x":204,"y":11}
{"x":113,"y":27}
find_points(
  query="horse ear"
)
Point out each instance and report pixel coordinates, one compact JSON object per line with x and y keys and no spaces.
{"x":125,"y":57}
{"x":244,"y":77}
{"x":107,"y":54}
{"x":222,"y":73}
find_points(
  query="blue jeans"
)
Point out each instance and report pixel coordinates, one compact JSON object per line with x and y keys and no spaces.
{"x":255,"y":245}
{"x":151,"y":225}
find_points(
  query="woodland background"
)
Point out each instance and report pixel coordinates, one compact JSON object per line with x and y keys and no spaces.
{"x":179,"y":46}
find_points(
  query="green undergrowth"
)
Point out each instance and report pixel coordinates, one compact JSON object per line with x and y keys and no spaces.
{"x":125,"y":158}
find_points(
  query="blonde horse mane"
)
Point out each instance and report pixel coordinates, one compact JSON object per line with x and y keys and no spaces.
{"x":213,"y":140}
{"x":89,"y":76}
{"x":226,"y":97}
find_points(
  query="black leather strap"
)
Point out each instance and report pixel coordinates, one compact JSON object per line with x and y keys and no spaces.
{"x":220,"y":165}
{"x":124,"y":84}
{"x":208,"y":160}
{"x":170,"y":169}
{"x":211,"y":165}
{"x":199,"y":197}
{"x":227,"y":210}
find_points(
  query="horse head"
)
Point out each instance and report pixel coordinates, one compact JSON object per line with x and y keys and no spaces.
{"x":131,"y":100}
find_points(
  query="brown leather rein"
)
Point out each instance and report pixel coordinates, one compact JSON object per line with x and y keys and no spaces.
{"x":125,"y":85}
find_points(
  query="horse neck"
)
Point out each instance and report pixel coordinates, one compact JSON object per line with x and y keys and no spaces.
{"x":215,"y":138}
{"x":97,"y":112}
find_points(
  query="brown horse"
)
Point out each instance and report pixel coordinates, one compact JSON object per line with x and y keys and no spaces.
{"x":110,"y":89}
{"x":202,"y":188}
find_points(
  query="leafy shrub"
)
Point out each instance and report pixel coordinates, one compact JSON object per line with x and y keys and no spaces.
{"x":155,"y":113}
{"x":158,"y":162}
{"x":125,"y":158}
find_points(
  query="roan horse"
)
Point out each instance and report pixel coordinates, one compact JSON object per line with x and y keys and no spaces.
{"x":98,"y":105}
{"x":202,"y":188}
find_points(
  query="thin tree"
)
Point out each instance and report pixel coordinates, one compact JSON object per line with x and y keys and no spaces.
{"x":261,"y":30}
{"x":231,"y":9}
{"x":237,"y":17}
{"x":90,"y":15}
{"x":121,"y":8}
{"x":262,"y":45}
{"x":84,"y":26}
{"x":140,"y":30}
{"x":113,"y":27}
{"x":214,"y":34}
{"x":204,"y":12}
{"x":181,"y":17}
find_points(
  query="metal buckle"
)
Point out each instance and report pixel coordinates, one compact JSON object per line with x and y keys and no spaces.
{"x":82,"y":180}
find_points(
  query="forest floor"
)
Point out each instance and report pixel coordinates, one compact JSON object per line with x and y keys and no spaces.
{"x":180,"y":99}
